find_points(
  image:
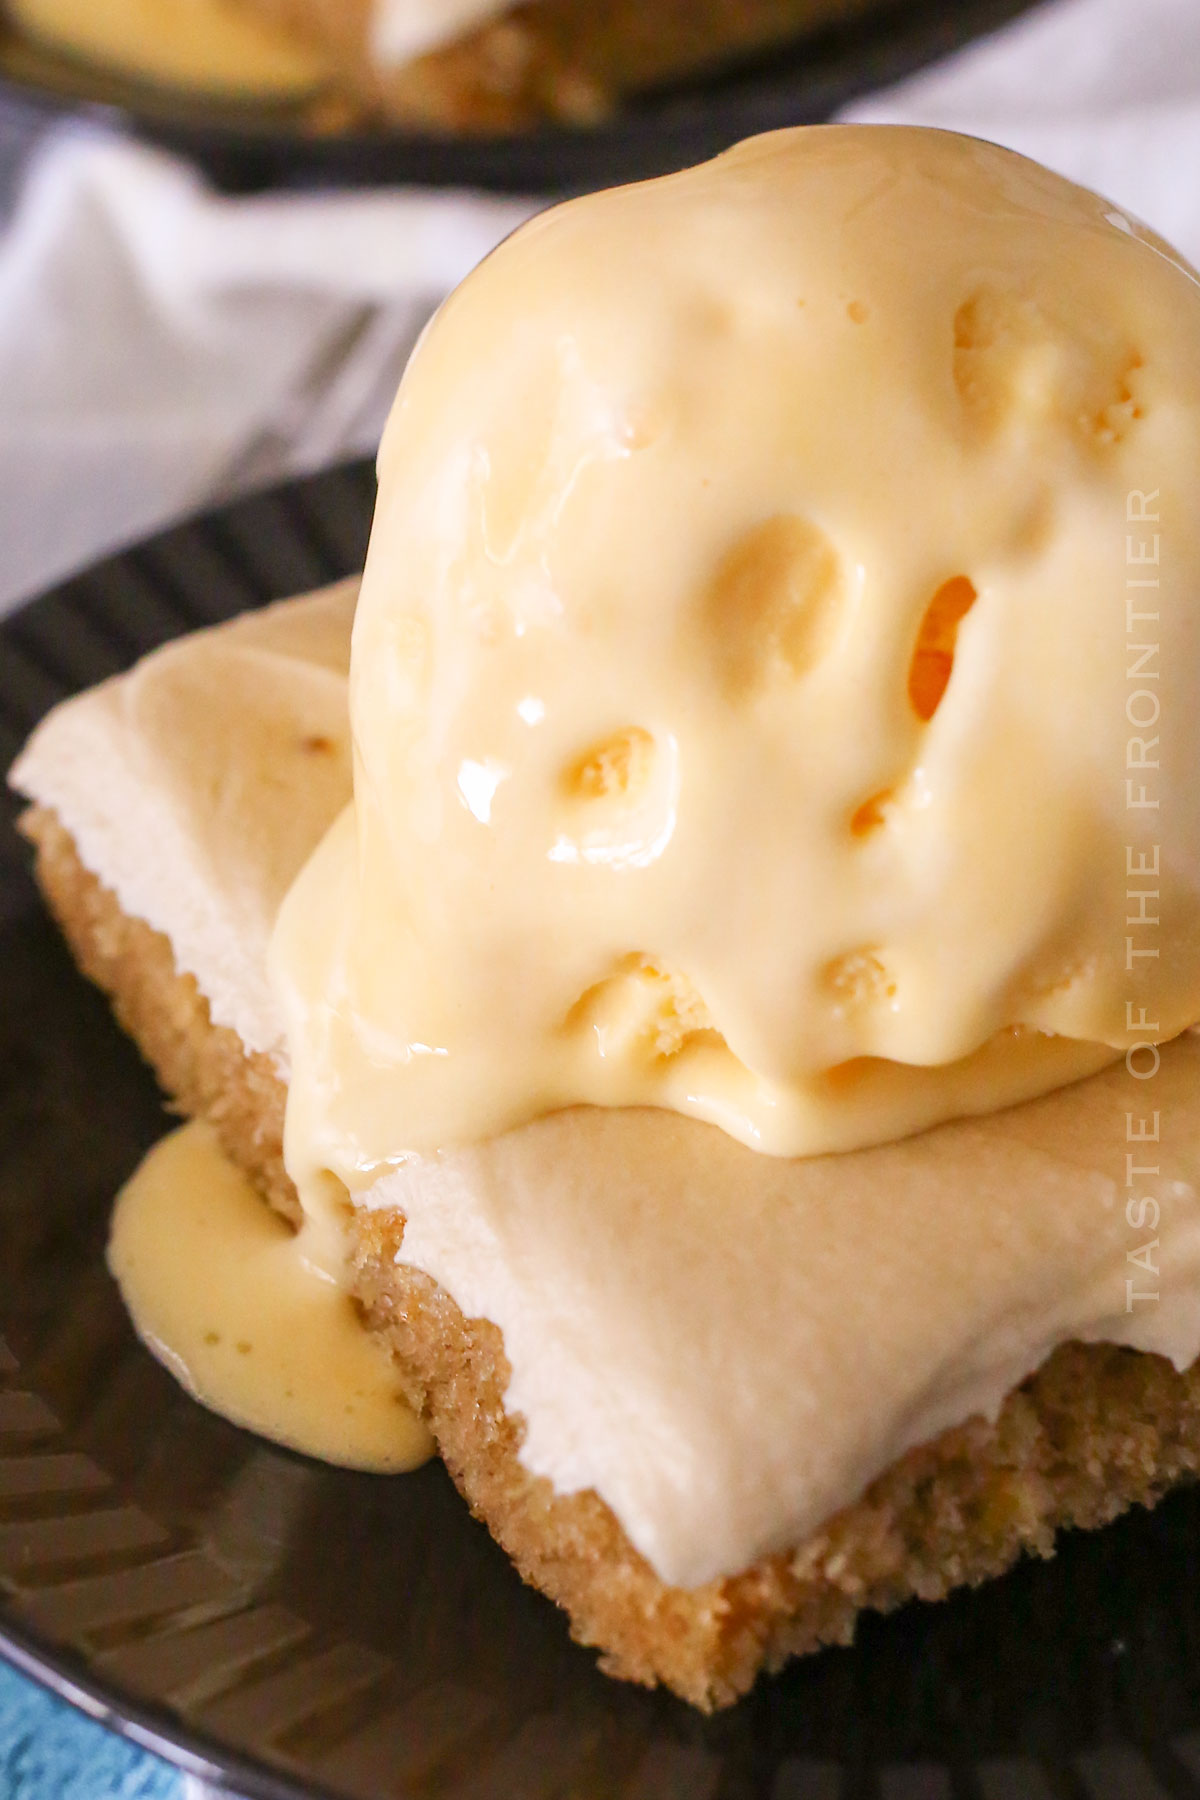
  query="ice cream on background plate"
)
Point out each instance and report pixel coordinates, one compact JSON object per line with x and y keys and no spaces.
{"x":434,"y":66}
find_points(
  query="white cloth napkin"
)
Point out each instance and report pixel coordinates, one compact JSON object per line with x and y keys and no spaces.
{"x":1105,"y":91}
{"x":161,"y":347}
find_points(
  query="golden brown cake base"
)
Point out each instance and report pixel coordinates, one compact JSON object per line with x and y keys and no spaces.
{"x":550,"y":59}
{"x":1096,"y":1429}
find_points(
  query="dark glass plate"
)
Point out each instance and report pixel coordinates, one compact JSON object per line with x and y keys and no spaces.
{"x":296,"y":1630}
{"x":244,"y":147}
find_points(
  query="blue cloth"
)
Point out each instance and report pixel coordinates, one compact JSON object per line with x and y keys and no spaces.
{"x":48,"y":1751}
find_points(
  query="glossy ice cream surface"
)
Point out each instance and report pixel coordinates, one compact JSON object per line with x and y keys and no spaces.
{"x":740,"y":676}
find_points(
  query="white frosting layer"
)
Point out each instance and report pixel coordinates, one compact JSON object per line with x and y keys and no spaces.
{"x":725,"y":1346}
{"x":402,"y":29}
{"x":196,"y":785}
{"x":209,"y":46}
{"x":728,"y":1347}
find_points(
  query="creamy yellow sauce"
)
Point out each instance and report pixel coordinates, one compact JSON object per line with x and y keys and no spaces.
{"x":743,"y":729}
{"x":211,"y":46}
{"x":725,"y":1346}
{"x":249,"y":1316}
{"x":772,"y":686}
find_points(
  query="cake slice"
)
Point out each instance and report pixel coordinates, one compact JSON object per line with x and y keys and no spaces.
{"x":869,"y":1366}
{"x":483,"y":65}
{"x":443,"y":65}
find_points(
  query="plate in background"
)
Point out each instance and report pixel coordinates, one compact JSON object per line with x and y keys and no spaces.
{"x":293,"y":1629}
{"x":244,"y":148}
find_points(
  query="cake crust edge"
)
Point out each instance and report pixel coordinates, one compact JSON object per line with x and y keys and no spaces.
{"x":568,"y":61}
{"x":1097,"y":1429}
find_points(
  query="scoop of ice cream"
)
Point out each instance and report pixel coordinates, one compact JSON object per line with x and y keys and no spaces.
{"x":773,"y":683}
{"x":211,"y":46}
